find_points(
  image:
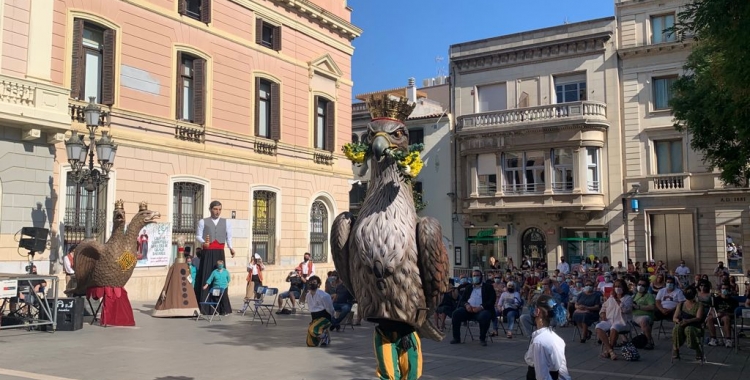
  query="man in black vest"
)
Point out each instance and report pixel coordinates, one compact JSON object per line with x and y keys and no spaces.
{"x":214,"y":234}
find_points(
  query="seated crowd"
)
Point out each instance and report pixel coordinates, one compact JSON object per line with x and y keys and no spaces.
{"x":602,"y":300}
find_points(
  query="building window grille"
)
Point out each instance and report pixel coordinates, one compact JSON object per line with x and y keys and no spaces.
{"x":319,"y":232}
{"x":264,"y":225}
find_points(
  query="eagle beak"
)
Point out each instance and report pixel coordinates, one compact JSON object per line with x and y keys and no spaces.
{"x":379,"y":147}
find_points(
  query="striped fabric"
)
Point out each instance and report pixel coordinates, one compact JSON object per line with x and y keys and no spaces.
{"x":317,"y":328}
{"x":395,"y":362}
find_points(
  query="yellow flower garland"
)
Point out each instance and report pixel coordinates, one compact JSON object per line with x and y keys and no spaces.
{"x":410,"y":164}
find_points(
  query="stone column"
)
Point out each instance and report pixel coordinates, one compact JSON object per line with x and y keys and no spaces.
{"x":499,"y":174}
{"x":472,"y":175}
{"x":548,"y":167}
{"x":39,"y":62}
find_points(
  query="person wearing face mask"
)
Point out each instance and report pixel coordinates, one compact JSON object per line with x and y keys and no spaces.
{"x":527,"y":321}
{"x":704,"y":293}
{"x":644,"y":305}
{"x":575,"y":291}
{"x":509,"y":306}
{"x":682,"y":270}
{"x":219,"y":278}
{"x":342,"y":301}
{"x":688,"y":320}
{"x":546,"y":354}
{"x":615,"y":316}
{"x":605,"y":286}
{"x":587,"y":309}
{"x":723,"y":310}
{"x":561,"y":290}
{"x":321,"y":309}
{"x":307,"y":269}
{"x":563,"y":267}
{"x":477,"y":304}
{"x":719,"y":272}
{"x":667,"y":300}
{"x":447,"y":306}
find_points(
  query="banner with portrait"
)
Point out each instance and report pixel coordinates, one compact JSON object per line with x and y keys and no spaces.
{"x":154,"y":245}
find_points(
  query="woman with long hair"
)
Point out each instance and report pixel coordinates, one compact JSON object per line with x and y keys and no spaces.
{"x":688,"y":325}
{"x":546,"y":354}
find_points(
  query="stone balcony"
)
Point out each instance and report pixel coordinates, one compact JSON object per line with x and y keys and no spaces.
{"x":676,"y":183}
{"x":34,"y":107}
{"x":547,"y":202}
{"x":583,"y":112}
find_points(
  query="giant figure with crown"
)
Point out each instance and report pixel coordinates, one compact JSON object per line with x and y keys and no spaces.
{"x":392,"y":260}
{"x":102,"y":270}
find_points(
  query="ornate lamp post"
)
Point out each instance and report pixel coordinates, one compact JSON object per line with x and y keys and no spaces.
{"x":84,"y":173}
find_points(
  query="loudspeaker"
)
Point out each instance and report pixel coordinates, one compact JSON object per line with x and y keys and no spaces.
{"x":36,"y":241}
{"x":69,"y":314}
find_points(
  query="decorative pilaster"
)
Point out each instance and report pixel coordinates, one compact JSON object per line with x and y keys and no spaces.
{"x":39,"y":62}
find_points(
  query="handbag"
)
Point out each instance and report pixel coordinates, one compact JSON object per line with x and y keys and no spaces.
{"x":630,"y":353}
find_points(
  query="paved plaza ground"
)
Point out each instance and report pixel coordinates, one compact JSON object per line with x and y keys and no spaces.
{"x":237,"y":348}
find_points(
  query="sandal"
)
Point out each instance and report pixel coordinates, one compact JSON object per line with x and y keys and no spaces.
{"x":609,"y":355}
{"x":494,"y":333}
{"x":509,"y":335}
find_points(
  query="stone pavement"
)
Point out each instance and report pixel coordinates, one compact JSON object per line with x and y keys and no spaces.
{"x":237,"y":348}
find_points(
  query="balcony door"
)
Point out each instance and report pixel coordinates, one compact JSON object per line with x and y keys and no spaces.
{"x":534,"y":245}
{"x":673,"y":239}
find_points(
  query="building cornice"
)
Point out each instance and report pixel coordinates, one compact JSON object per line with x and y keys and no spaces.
{"x":521,"y":55}
{"x":651,"y":50}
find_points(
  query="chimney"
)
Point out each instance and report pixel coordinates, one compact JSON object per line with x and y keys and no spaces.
{"x":411,"y":90}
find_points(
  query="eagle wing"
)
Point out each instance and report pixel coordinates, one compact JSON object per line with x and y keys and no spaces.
{"x":433,"y":270}
{"x":87,"y":254}
{"x":340,"y":231}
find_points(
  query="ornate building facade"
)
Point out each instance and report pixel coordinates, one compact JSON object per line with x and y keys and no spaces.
{"x":538,"y":157}
{"x":678,"y":209}
{"x":242,"y":101}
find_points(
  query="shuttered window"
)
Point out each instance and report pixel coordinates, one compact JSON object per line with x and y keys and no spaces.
{"x":196,"y":9}
{"x":191,"y":88}
{"x":93,"y":63}
{"x":267,"y":34}
{"x":267,"y":109}
{"x":325,"y":126}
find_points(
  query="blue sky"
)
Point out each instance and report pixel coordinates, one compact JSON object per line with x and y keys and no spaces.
{"x":403,"y":38}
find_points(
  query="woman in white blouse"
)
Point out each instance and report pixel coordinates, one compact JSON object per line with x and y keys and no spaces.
{"x":546,"y":354}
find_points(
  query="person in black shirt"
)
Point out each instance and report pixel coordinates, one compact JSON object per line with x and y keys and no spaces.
{"x":447,"y":306}
{"x":722,"y":309}
{"x":295,"y":288}
{"x":342,"y":302}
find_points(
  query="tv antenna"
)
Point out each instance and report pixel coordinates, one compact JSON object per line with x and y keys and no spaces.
{"x":439,"y":63}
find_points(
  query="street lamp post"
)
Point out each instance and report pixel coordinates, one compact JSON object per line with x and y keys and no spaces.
{"x":84,"y":173}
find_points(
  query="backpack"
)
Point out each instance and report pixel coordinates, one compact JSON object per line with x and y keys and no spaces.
{"x":639,"y":341}
{"x":630,"y":353}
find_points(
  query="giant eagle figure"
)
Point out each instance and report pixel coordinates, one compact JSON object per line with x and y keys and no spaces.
{"x":390,"y":259}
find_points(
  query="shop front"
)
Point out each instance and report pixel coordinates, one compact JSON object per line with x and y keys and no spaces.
{"x":580,"y":244}
{"x":485,"y":244}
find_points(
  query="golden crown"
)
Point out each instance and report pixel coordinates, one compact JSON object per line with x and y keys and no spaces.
{"x":391,"y":107}
{"x":120,"y":205}
{"x":143,"y":206}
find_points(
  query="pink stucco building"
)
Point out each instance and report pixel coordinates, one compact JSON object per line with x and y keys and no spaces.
{"x":242,"y":101}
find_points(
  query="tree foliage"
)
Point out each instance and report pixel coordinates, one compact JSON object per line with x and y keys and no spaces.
{"x":712,"y":99}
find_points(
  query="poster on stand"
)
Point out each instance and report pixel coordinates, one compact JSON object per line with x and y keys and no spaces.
{"x":154,"y":245}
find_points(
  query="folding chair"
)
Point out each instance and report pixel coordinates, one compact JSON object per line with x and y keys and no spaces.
{"x":468,"y":332}
{"x":216,"y":294}
{"x":265,"y":306}
{"x":252,"y":302}
{"x":661,"y":329}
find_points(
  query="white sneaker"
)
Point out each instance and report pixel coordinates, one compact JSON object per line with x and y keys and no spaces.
{"x":728,"y":343}
{"x":713,"y":342}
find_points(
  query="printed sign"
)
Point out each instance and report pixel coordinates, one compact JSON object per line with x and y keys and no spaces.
{"x":154,"y":245}
{"x":8,"y":288}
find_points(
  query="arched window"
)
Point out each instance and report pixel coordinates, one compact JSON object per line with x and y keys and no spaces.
{"x":76,"y":201}
{"x":319,"y":232}
{"x":264,"y":225}
{"x":187,"y":206}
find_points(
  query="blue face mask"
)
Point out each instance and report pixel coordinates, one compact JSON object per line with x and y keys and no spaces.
{"x":220,"y":266}
{"x":587,"y":289}
{"x":476,"y":279}
{"x":724,"y":292}
{"x":464,"y":281}
{"x":670,"y":286}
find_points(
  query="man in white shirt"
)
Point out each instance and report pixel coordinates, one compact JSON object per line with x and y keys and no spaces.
{"x":563,"y":267}
{"x":607,"y":283}
{"x":70,"y":274}
{"x":215,"y":234}
{"x":682,"y":270}
{"x":667,"y":300}
{"x":307,"y":269}
{"x":321,"y":310}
